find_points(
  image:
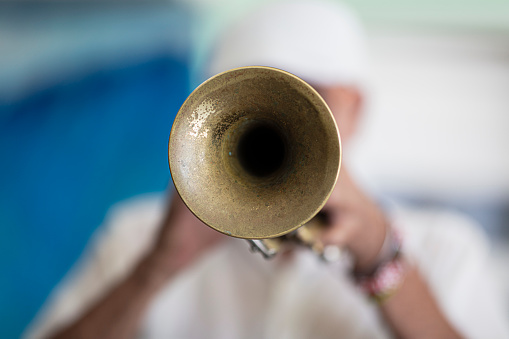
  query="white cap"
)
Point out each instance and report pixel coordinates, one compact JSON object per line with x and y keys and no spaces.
{"x":320,"y":41}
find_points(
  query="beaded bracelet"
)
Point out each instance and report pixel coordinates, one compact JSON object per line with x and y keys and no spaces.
{"x":385,"y":282}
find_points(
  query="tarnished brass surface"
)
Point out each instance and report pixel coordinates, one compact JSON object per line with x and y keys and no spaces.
{"x":215,"y":159}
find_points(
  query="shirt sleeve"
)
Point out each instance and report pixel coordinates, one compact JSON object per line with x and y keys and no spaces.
{"x":453,"y":255}
{"x":126,"y":235}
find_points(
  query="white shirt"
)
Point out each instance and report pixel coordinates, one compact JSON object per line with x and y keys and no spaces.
{"x":232,"y":293}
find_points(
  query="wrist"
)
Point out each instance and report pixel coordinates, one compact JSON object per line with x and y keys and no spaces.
{"x":388,"y":271}
{"x":371,"y":248}
{"x":156,"y":268}
{"x":388,"y":250}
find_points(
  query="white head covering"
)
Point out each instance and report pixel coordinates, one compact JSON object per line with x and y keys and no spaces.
{"x":319,"y":41}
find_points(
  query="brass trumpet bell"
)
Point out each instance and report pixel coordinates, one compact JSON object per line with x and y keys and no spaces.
{"x":254,"y":152}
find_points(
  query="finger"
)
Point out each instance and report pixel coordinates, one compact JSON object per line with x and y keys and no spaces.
{"x":341,"y":229}
{"x":334,"y":234}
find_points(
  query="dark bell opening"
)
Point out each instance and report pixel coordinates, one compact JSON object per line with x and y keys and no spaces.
{"x":261,"y":150}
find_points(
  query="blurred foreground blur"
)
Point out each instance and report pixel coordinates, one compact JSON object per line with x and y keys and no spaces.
{"x":88,"y":92}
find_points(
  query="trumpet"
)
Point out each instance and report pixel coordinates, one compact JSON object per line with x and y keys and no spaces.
{"x":254,"y":153}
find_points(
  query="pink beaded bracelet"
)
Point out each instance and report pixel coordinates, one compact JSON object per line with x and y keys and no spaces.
{"x":385,"y":282}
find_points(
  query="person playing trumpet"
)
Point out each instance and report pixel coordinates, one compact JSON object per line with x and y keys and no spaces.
{"x":155,"y":271}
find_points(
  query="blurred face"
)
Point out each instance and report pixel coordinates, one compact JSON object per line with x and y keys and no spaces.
{"x":346,"y":104}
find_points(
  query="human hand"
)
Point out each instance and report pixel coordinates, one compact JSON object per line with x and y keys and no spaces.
{"x":182,"y":238}
{"x":354,"y":222}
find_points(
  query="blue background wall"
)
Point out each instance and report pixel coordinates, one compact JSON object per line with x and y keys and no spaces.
{"x":71,"y":147}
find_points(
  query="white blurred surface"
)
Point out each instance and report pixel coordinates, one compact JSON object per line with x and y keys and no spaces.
{"x":438,"y":112}
{"x":438,"y":117}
